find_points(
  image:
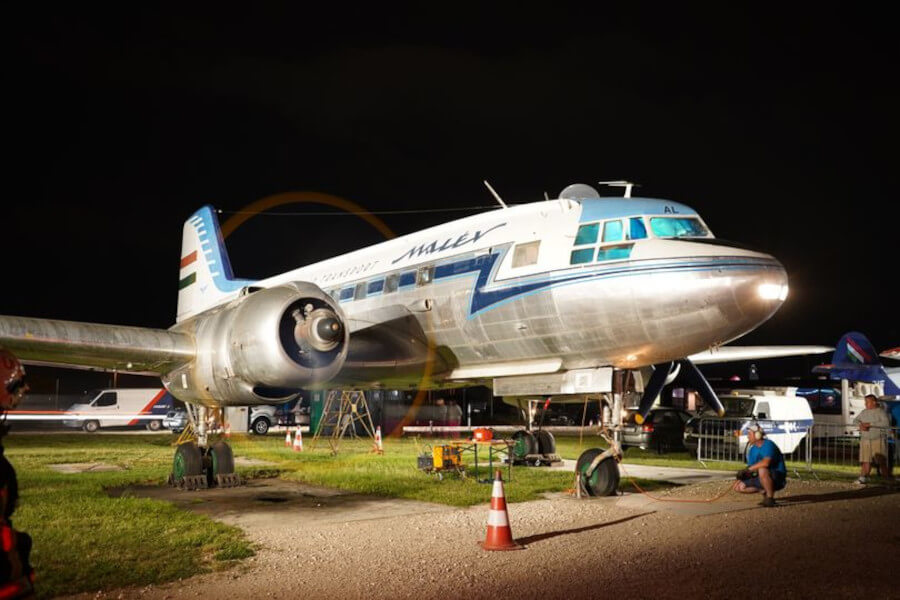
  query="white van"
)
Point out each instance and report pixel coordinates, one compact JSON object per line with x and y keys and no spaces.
{"x":141,"y":407}
{"x":835,"y":408}
{"x":785,"y":417}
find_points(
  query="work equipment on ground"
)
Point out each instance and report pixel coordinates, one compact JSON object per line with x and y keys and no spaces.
{"x":535,"y":448}
{"x":499,"y":534}
{"x":442,"y":459}
{"x":345,"y":411}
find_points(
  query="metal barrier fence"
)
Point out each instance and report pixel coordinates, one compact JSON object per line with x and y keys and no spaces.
{"x":816,"y":448}
{"x":725,"y":440}
{"x":839,"y":447}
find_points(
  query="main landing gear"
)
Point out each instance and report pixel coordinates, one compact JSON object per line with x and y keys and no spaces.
{"x":198,"y":464}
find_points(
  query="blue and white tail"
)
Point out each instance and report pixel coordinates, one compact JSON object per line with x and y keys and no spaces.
{"x":855,"y":359}
{"x":205,"y":279}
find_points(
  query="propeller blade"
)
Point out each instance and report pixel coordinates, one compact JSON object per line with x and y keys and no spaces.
{"x":696,"y":379}
{"x":652,"y":390}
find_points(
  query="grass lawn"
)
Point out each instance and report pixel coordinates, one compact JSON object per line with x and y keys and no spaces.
{"x":86,"y":540}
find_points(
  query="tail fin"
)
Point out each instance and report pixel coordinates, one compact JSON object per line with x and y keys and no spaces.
{"x":855,"y":349}
{"x":205,"y":279}
{"x":855,"y":359}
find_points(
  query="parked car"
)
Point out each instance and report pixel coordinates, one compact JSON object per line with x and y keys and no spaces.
{"x":662,"y":430}
{"x":176,"y":420}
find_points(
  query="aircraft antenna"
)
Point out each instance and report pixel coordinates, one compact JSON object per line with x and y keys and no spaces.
{"x":620,"y":183}
{"x":496,"y":195}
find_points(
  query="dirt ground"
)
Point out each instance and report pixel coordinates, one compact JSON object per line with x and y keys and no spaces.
{"x":824,"y":540}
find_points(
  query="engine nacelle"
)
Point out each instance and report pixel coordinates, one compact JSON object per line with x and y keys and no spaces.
{"x":263,"y":347}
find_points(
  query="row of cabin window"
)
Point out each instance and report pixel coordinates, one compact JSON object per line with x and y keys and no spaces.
{"x":523,"y":255}
{"x":390,"y":284}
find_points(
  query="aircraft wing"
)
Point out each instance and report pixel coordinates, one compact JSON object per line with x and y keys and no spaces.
{"x":892,"y":353}
{"x":735,"y":353}
{"x":72,"y":344}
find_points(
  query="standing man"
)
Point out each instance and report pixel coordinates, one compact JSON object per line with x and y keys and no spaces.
{"x":16,"y":574}
{"x":765,"y":470}
{"x":454,"y":414}
{"x":874,"y":427}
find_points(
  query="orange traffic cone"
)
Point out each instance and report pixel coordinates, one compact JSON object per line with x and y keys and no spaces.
{"x":288,"y":442}
{"x":298,"y":441}
{"x":378,"y":448}
{"x":499,"y":535}
{"x":227,"y":430}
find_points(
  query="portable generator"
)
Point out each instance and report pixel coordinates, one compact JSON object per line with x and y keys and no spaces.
{"x":441,"y":459}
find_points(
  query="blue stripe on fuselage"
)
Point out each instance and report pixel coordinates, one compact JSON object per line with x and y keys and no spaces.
{"x":486,"y":299}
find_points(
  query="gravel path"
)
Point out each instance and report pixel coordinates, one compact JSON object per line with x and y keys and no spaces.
{"x":824,"y":540}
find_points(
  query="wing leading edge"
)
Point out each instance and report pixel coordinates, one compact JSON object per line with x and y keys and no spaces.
{"x":94,"y":346}
{"x":733,"y":353}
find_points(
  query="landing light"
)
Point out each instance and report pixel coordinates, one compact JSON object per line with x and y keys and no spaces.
{"x":772,"y":291}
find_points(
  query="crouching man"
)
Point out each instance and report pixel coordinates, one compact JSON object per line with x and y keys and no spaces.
{"x":765,"y":470}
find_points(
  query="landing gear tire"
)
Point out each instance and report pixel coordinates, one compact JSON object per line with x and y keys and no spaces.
{"x":525,"y":444}
{"x":154,"y":425}
{"x":188,"y":462}
{"x":546,"y":442}
{"x":91,"y":426}
{"x":221,"y":462}
{"x":604,"y":481}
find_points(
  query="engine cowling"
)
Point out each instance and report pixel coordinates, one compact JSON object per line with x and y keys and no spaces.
{"x":263,"y":347}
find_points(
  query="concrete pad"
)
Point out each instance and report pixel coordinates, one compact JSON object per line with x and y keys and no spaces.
{"x":677,"y":475}
{"x":262,"y":502}
{"x":686,"y":507}
{"x":89,"y":467}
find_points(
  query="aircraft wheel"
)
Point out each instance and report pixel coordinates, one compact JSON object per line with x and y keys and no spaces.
{"x":546,"y":442}
{"x":604,"y":481}
{"x":188,"y":461}
{"x":221,"y":461}
{"x":525,"y":444}
{"x":91,"y":426}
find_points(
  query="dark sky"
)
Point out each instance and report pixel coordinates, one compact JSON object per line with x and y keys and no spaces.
{"x":780,"y":129}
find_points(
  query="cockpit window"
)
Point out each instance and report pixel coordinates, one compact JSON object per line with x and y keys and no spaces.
{"x":587,"y":234}
{"x":677,"y":227}
{"x":636,"y":228}
{"x":612,"y":231}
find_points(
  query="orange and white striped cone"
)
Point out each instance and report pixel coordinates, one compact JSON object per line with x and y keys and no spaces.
{"x":227,"y":430}
{"x":378,"y":448}
{"x":499,"y":535}
{"x":288,"y":441}
{"x":298,"y":441}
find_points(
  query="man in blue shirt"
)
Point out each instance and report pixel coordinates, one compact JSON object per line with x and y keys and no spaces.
{"x":765,"y":470}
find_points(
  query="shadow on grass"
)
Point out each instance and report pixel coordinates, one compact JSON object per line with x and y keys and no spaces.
{"x":552,"y":534}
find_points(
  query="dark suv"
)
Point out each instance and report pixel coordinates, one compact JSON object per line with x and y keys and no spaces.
{"x":662,"y":430}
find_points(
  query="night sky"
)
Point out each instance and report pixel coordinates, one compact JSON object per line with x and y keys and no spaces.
{"x":780,"y":129}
